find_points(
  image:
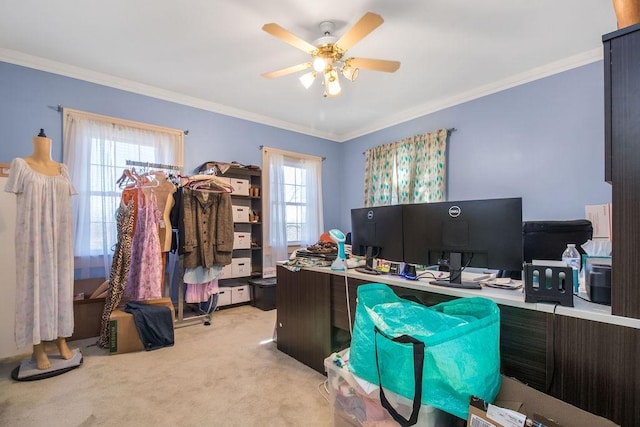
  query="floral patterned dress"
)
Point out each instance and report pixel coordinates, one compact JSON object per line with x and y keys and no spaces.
{"x":144,"y":281}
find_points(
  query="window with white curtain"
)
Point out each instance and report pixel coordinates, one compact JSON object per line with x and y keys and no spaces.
{"x":96,"y":150}
{"x":292,"y":203}
{"x":295,"y":190}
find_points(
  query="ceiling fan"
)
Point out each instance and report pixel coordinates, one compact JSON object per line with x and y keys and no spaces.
{"x":327,"y":54}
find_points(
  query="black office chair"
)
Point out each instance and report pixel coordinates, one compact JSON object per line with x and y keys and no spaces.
{"x":548,"y":239}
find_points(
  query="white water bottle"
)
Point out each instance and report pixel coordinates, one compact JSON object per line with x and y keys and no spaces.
{"x":571,"y":257}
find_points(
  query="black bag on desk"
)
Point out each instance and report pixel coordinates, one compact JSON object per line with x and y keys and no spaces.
{"x":154,"y":324}
{"x":548,"y":239}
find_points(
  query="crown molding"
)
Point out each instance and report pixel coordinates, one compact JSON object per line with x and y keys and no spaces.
{"x":537,"y":73}
{"x":47,"y":65}
{"x":66,"y":70}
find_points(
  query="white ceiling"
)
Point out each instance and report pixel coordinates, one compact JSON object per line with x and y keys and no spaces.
{"x":210,"y":53}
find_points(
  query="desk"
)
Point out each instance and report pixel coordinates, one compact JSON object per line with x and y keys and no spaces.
{"x":582,"y":355}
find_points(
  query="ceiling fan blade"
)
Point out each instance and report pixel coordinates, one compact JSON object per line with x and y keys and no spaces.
{"x":288,"y":70}
{"x":287,"y":37}
{"x":369,"y":22}
{"x":374,"y":64}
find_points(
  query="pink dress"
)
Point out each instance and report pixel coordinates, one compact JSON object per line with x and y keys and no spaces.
{"x":144,"y":281}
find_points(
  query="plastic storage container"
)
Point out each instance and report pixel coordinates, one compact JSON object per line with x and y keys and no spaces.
{"x":264,"y":293}
{"x":571,"y":256}
{"x":356,"y":402}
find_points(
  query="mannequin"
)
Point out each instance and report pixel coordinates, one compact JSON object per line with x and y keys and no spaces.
{"x":40,"y":160}
{"x":49,"y":280}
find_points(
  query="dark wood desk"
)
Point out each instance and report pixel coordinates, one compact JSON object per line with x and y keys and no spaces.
{"x":583,"y":356}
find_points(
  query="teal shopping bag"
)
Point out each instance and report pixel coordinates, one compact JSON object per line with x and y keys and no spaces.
{"x":456,"y":342}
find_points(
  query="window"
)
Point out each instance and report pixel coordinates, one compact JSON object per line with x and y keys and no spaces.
{"x":292,"y":202}
{"x":295,"y":193}
{"x":412,"y":170}
{"x":97,"y":149}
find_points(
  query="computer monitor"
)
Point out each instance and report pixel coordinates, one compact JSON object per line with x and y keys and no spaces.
{"x":459,"y":234}
{"x":376,"y":232}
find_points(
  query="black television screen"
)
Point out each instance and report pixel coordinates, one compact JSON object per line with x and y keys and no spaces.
{"x":377,"y":232}
{"x":459,"y":234}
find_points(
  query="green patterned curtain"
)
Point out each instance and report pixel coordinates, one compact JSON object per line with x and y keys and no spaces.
{"x":412,"y":170}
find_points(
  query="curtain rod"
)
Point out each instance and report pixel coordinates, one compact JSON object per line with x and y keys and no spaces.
{"x":152,"y":165}
{"x":59,"y":109}
{"x":449,"y":131}
{"x":261,"y":147}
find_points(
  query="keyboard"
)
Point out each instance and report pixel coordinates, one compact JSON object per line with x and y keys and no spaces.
{"x":463,"y":285}
{"x":368,"y":270}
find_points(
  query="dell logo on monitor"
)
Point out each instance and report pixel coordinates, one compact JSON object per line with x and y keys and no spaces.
{"x":455,"y":211}
{"x":370,"y":215}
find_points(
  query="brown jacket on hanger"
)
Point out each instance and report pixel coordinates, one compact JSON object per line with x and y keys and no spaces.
{"x":208,"y":228}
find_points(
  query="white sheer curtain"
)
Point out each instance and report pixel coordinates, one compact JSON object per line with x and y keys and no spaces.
{"x":314,"y":217}
{"x":276,"y":200}
{"x":96,"y":150}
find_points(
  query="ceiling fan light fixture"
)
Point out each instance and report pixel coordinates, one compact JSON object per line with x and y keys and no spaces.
{"x":331,"y":83}
{"x":350,"y":73}
{"x":319,"y":64}
{"x":327,"y":54}
{"x":307,"y":79}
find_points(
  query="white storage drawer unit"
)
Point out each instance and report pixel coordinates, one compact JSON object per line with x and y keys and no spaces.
{"x":240,"y":267}
{"x":226,"y":272}
{"x":240,"y":213}
{"x":240,"y":294}
{"x":241,"y":240}
{"x":224,"y":296}
{"x":240,"y":186}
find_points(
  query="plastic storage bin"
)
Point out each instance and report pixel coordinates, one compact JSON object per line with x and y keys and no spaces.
{"x":356,"y":402}
{"x":264,"y":293}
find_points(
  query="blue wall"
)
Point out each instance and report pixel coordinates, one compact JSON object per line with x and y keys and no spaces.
{"x":29,"y":99}
{"x":543,"y":140}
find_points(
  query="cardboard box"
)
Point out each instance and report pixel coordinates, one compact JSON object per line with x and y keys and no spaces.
{"x":530,"y":404}
{"x":87,"y":311}
{"x":123,"y":335}
{"x":600,"y":217}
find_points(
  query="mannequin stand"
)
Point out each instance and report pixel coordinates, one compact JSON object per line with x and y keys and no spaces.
{"x":28,"y":371}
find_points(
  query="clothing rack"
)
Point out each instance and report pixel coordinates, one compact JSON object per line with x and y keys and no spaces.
{"x":175,"y":275}
{"x":152,"y":165}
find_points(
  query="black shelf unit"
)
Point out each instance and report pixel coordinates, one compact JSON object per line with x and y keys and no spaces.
{"x":253,"y":203}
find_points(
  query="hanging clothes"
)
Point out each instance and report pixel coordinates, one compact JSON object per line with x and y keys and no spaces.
{"x":208,"y":228}
{"x":145,"y":274}
{"x":200,"y":292}
{"x":119,"y":267}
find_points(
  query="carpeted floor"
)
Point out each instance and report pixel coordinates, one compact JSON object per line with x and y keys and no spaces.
{"x":226,"y":374}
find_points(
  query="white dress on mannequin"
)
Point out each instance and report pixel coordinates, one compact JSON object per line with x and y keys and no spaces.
{"x":44,"y":254}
